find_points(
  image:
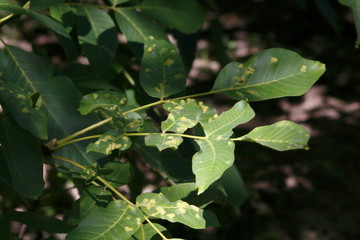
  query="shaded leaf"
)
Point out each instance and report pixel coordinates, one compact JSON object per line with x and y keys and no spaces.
{"x":12,"y":7}
{"x":281,"y":136}
{"x":110,"y":141}
{"x":121,"y":173}
{"x":187,"y":16}
{"x":19,"y":103}
{"x":162,"y":71}
{"x":147,"y":232}
{"x":216,"y":155}
{"x":118,"y":220}
{"x":133,"y":121}
{"x":137,"y":27}
{"x":355,"y":6}
{"x":43,"y":4}
{"x":158,"y":206}
{"x":240,"y":113}
{"x":183,"y":115}
{"x":272,"y":73}
{"x":106,"y":99}
{"x":234,"y":186}
{"x":163,"y":141}
{"x":116,"y":2}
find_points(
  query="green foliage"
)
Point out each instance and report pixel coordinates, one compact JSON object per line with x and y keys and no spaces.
{"x":355,"y":6}
{"x":88,"y":124}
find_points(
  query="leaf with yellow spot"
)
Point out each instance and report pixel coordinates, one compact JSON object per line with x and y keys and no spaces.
{"x":106,"y":99}
{"x":108,"y":142}
{"x":162,"y":71}
{"x":163,"y":141}
{"x":179,"y":211}
{"x":272,"y":73}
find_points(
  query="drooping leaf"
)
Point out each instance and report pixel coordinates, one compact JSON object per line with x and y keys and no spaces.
{"x":110,"y":141}
{"x":39,"y":221}
{"x":216,"y":155}
{"x":240,"y":113}
{"x":121,"y":173}
{"x":116,"y":2}
{"x":119,"y":220}
{"x":162,"y":71}
{"x":234,"y":186}
{"x":355,"y":6}
{"x":106,"y":99}
{"x":147,"y":232}
{"x":64,"y":14}
{"x":12,"y":7}
{"x":25,"y":166}
{"x":97,"y":36}
{"x":272,"y":73}
{"x":43,"y":4}
{"x":19,"y":103}
{"x":187,"y":16}
{"x":59,"y":97}
{"x":281,"y":136}
{"x":137,"y":27}
{"x":158,"y":206}
{"x":163,"y":141}
{"x":184,"y":115}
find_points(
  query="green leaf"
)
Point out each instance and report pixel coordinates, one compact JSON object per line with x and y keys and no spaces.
{"x":187,"y":16}
{"x":64,"y":14}
{"x":272,"y":73}
{"x":355,"y":6}
{"x":106,"y":99}
{"x":43,"y":4}
{"x":281,"y":136}
{"x":208,"y":114}
{"x":118,"y":220}
{"x":179,"y":191}
{"x":116,"y":2}
{"x":110,"y":141}
{"x":121,"y":173}
{"x":137,"y":27}
{"x":12,"y":7}
{"x":39,"y":221}
{"x":25,"y":166}
{"x":59,"y":98}
{"x":240,"y":113}
{"x":184,"y":115}
{"x":158,"y":206}
{"x":19,"y":103}
{"x":133,"y":122}
{"x":234,"y":186}
{"x":216,"y":155}
{"x":162,"y":72}
{"x":97,"y":36}
{"x":147,"y":232}
{"x":163,"y":141}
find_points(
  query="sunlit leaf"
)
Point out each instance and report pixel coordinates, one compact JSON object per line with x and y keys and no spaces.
{"x":158,"y":206}
{"x":272,"y":73}
{"x":240,"y":113}
{"x":163,"y":141}
{"x":147,"y":232}
{"x":187,"y":16}
{"x":281,"y":136}
{"x":184,"y":115}
{"x":19,"y":103}
{"x":119,"y":220}
{"x":110,"y":141}
{"x":162,"y":70}
{"x":133,"y":121}
{"x":208,"y":114}
{"x":137,"y":27}
{"x":106,"y":99}
{"x":216,"y":155}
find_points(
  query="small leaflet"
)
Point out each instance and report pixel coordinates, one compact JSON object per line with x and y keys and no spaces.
{"x":163,"y":141}
{"x":108,"y":142}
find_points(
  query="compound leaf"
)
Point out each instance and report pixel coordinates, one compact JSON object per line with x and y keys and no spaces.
{"x":163,"y":141}
{"x":119,"y":220}
{"x":162,"y":70}
{"x":187,"y":16}
{"x":158,"y":206}
{"x":281,"y":136}
{"x":272,"y":73}
{"x":110,"y":141}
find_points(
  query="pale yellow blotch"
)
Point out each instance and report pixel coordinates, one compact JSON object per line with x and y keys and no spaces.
{"x":21,"y":96}
{"x":161,"y":210}
{"x":148,"y":69}
{"x":274,"y":59}
{"x":152,"y":38}
{"x":219,"y":138}
{"x":170,"y":215}
{"x":241,"y":66}
{"x":182,"y":102}
{"x":138,"y":221}
{"x":128,"y":229}
{"x":250,"y":71}
{"x":196,"y":209}
{"x":229,"y":143}
{"x":303,"y":68}
{"x":152,"y":202}
{"x":216,"y":115}
{"x":145,"y":201}
{"x":25,"y":110}
{"x":149,"y":49}
{"x":182,"y":210}
{"x":240,"y":94}
{"x":157,"y":89}
{"x":122,"y":101}
{"x":112,"y":147}
{"x":252,"y":92}
{"x":182,"y":204}
{"x":171,"y":117}
{"x":197,"y":216}
{"x":169,"y":62}
{"x":204,"y":108}
{"x":95,"y":96}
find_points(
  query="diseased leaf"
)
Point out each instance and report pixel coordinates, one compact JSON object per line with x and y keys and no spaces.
{"x":208,"y":114}
{"x":163,"y":141}
{"x":97,"y":36}
{"x":137,"y":27}
{"x":240,"y":113}
{"x":19,"y":103}
{"x":118,"y":220}
{"x":162,"y":72}
{"x":110,"y":141}
{"x":184,"y":115}
{"x":281,"y":136}
{"x":158,"y":206}
{"x":272,"y":73}
{"x":187,"y":16}
{"x":106,"y":99}
{"x":133,"y":121}
{"x":216,"y":155}
{"x":147,"y":232}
